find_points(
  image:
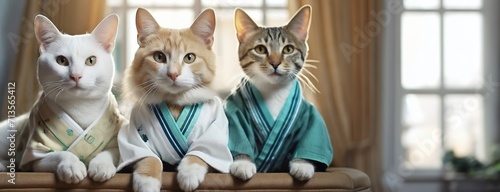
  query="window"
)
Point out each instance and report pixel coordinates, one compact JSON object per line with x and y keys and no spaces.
{"x":181,"y":14}
{"x":441,"y":82}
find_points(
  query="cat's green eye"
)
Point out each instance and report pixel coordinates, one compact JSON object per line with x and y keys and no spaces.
{"x":288,"y":49}
{"x":260,"y":49}
{"x":160,"y":57}
{"x":189,"y":58}
{"x":91,"y":61}
{"x":61,"y":60}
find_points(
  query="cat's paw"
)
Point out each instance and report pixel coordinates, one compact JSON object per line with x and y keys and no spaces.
{"x":243,"y":169}
{"x":71,"y":171}
{"x":101,"y":170}
{"x":190,"y":175}
{"x":301,"y":170}
{"x":142,"y":183}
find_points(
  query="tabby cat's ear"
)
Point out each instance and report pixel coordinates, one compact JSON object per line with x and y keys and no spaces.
{"x":204,"y":26}
{"x":244,"y":24}
{"x":300,"y":22}
{"x":105,"y":32}
{"x":45,"y":31}
{"x":145,"y":24}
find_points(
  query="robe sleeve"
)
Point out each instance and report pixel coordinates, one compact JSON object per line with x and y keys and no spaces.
{"x":212,"y":144}
{"x":240,"y":129}
{"x":131,"y":146}
{"x":315,"y":142}
{"x":33,"y":150}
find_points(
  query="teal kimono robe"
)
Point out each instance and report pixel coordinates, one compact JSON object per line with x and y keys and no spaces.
{"x":298,"y":132}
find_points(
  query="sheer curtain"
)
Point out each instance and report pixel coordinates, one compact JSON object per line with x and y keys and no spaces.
{"x":71,"y":17}
{"x":343,"y":38}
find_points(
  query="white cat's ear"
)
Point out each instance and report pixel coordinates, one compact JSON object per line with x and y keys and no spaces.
{"x":204,"y":26}
{"x":105,"y":32}
{"x":300,"y":22}
{"x":244,"y":24}
{"x":145,"y":24}
{"x":45,"y":31}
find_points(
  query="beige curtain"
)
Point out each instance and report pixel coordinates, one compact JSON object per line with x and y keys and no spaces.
{"x":71,"y":17}
{"x":344,"y":39}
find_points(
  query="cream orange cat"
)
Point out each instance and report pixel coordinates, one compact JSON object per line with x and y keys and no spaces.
{"x":176,"y":119}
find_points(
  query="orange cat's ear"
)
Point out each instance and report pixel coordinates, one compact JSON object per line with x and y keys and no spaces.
{"x":300,"y":22}
{"x":105,"y":32}
{"x":204,"y":26}
{"x":45,"y":31}
{"x":145,"y":24}
{"x":244,"y":24}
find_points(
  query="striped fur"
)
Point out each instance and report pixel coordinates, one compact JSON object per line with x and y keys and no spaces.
{"x":269,"y":63}
{"x":258,"y":65}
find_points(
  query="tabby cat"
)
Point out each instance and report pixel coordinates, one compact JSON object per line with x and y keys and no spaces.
{"x":271,"y":127}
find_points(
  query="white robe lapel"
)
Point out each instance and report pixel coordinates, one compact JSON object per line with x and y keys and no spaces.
{"x":176,"y":132}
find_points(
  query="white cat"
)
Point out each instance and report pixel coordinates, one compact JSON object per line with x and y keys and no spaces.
{"x":76,"y":74}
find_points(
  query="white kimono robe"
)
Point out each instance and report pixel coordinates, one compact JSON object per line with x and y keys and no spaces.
{"x":51,"y":129}
{"x":200,"y":130}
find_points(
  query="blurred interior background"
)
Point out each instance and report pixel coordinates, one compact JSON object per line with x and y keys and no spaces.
{"x":403,"y":83}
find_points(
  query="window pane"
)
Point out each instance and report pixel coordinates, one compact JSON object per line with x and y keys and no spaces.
{"x":160,"y":2}
{"x":421,"y":135}
{"x":226,"y":51}
{"x":463,"y":43}
{"x":114,"y":3}
{"x":277,"y":17}
{"x":167,"y":18}
{"x":420,"y":50}
{"x":465,"y":125}
{"x":462,"y":4}
{"x":231,"y":3}
{"x":118,"y":53}
{"x":276,"y":3}
{"x":421,"y":4}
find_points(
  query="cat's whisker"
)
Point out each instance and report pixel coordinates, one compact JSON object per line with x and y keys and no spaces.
{"x":60,"y":91}
{"x":133,"y":92}
{"x":144,"y":96}
{"x":309,"y":83}
{"x":151,"y":86}
{"x":51,"y":82}
{"x":312,"y":61}
{"x":307,"y":65}
{"x":153,"y":91}
{"x":56,"y":87}
{"x":310,"y":74}
{"x":305,"y":83}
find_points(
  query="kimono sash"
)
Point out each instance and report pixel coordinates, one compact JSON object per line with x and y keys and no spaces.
{"x":271,"y":133}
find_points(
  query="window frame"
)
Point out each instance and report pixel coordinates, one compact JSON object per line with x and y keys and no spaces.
{"x":197,"y":7}
{"x":396,"y":171}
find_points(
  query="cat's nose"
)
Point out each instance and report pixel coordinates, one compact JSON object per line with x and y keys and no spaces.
{"x":75,"y":77}
{"x":172,"y":76}
{"x":275,"y":64}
